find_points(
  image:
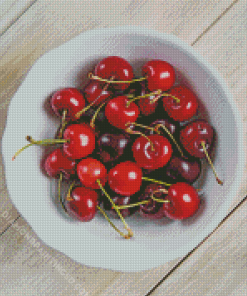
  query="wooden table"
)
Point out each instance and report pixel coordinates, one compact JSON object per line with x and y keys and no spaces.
{"x":218,"y":31}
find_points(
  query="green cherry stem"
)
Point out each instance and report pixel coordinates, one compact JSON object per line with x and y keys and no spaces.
{"x":157,"y":92}
{"x":130,"y":233}
{"x":155,"y":181}
{"x":130,"y":131}
{"x":45,"y":142}
{"x":63,"y":124}
{"x":210,"y":162}
{"x":92,"y":76}
{"x":59,"y":191}
{"x":112,"y":224}
{"x":133,"y":205}
{"x":78,"y":114}
{"x":156,"y":128}
{"x":92,"y":122}
{"x":157,"y":199}
{"x":165,"y":95}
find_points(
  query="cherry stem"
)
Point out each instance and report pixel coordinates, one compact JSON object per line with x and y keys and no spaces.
{"x":95,"y":115}
{"x":130,"y":131}
{"x":171,"y":136}
{"x":155,"y":181}
{"x":92,"y":76}
{"x":130,"y":233}
{"x":112,"y":224}
{"x":160,"y":200}
{"x":45,"y":142}
{"x":157,"y":92}
{"x":133,"y":205}
{"x":211,"y":164}
{"x":63,"y":124}
{"x":165,"y":95}
{"x":78,"y":114}
{"x":59,"y":191}
{"x":68,"y":196}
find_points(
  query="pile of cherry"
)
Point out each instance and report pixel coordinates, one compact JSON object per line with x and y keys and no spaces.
{"x":128,"y":144}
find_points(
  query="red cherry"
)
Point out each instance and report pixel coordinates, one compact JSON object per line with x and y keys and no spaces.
{"x":146,"y":105}
{"x":84,"y":204}
{"x":89,"y":170}
{"x":94,"y":92}
{"x":193,"y":134}
{"x":184,"y":201}
{"x":69,"y":99}
{"x":56,"y":163}
{"x":118,"y":112}
{"x":148,"y":159}
{"x":183,"y":110}
{"x":160,"y":75}
{"x":153,"y":209}
{"x":81,"y":141}
{"x":116,"y":67}
{"x":125,"y":178}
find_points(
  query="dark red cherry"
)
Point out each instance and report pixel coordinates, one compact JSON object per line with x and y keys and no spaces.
{"x":69,"y":99}
{"x":89,"y":170}
{"x":81,"y":141}
{"x":116,"y":67}
{"x":120,"y":201}
{"x":183,"y":110}
{"x":125,"y":178}
{"x":118,"y":112}
{"x":171,"y":125}
{"x":182,"y":169}
{"x":193,"y":134}
{"x":160,"y":75}
{"x":184,"y":201}
{"x":56,"y":162}
{"x":146,"y":104}
{"x":148,"y":159}
{"x":94,"y":92}
{"x":84,"y":204}
{"x":112,"y":146}
{"x":153,"y":209}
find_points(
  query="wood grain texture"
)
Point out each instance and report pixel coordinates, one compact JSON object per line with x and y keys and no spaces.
{"x":218,"y":267}
{"x":11,"y":10}
{"x":44,"y":26}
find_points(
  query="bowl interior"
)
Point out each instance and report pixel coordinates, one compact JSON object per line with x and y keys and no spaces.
{"x":33,"y":193}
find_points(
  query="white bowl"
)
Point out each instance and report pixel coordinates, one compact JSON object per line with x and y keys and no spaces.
{"x":95,"y":243}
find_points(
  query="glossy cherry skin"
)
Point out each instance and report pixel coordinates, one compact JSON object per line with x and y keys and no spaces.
{"x":160,"y":75}
{"x":56,"y":162}
{"x":116,"y":67}
{"x":69,"y":99}
{"x":193,"y":134}
{"x":183,"y":110}
{"x":94,"y":92}
{"x":89,"y":170}
{"x":148,"y":159}
{"x":145,"y":104}
{"x":153,"y":209}
{"x":84,"y":204}
{"x":125,"y":178}
{"x":81,"y":141}
{"x":120,"y":201}
{"x":184,"y":201}
{"x":112,"y":146}
{"x":182,"y":169}
{"x":168,"y":123}
{"x":118,"y":113}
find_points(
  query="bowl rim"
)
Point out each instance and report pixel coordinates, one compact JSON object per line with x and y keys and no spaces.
{"x":153,"y":261}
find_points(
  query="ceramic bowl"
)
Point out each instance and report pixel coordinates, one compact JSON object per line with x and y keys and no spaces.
{"x":95,"y":243}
